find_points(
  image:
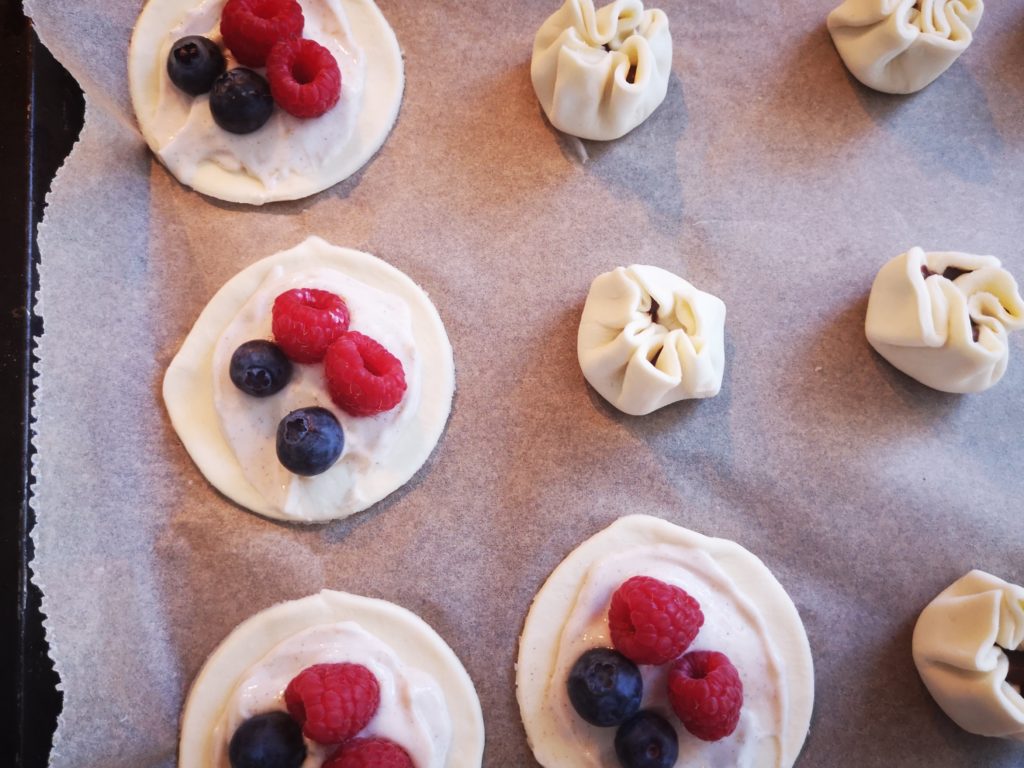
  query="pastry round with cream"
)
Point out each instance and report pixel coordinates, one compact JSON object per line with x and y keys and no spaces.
{"x":747,"y":615}
{"x":289,"y":157}
{"x":944,"y":318}
{"x":600,"y":73}
{"x":648,"y":338}
{"x":428,"y":704}
{"x":963,"y":643}
{"x":232,"y":436}
{"x":901,"y":46}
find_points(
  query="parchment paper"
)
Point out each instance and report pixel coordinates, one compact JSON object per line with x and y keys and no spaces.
{"x":769,"y":177}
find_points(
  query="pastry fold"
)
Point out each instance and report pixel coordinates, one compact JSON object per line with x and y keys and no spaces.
{"x":900,"y":46}
{"x":944,"y":318}
{"x":958,"y":648}
{"x":648,"y":338}
{"x":600,"y":73}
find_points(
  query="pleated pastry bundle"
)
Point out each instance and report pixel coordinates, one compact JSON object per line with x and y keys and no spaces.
{"x":959,"y":643}
{"x":900,"y":46}
{"x":944,"y":318}
{"x":600,"y":73}
{"x":648,"y":338}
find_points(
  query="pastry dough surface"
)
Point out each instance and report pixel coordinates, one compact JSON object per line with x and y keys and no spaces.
{"x":901,"y":46}
{"x":600,"y":73}
{"x":188,"y":387}
{"x":959,"y":643}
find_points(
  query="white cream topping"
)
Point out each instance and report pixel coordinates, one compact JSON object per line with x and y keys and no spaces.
{"x":231,"y":436}
{"x":732,"y":625}
{"x":600,"y":73}
{"x":187,"y":136}
{"x":412,"y":710}
{"x":648,"y":338}
{"x":925,"y":323}
{"x":289,"y":157}
{"x":428,"y":703}
{"x":748,"y":616}
{"x":250,"y":423}
{"x":901,"y":46}
{"x":959,"y":643}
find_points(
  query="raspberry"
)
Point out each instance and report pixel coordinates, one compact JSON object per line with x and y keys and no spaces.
{"x":706,"y":694}
{"x":370,"y":753}
{"x":251,"y":27}
{"x":304,"y":77}
{"x":652,"y":622}
{"x":363,"y":378}
{"x":307,"y":321}
{"x":332,"y":702}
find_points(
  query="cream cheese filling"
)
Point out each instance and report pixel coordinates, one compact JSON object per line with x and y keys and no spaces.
{"x":250,"y":424}
{"x":748,"y":616}
{"x":188,"y":137}
{"x":412,"y":711}
{"x":288,"y":158}
{"x":428,"y":702}
{"x":230,"y":435}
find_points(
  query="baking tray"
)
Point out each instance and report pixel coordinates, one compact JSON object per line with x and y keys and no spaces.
{"x":41,"y":112}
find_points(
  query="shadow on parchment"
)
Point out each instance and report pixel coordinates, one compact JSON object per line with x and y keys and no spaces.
{"x":888,"y":703}
{"x":670,"y":436}
{"x":641,"y":165}
{"x":805,"y":115}
{"x":1010,"y":60}
{"x":946,"y":127}
{"x":858,"y":389}
{"x":223,"y":543}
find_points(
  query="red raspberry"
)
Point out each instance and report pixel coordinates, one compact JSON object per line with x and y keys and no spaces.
{"x":652,"y":622}
{"x":706,"y":694}
{"x":307,"y":321}
{"x":370,"y":753}
{"x":363,"y":378}
{"x":332,"y":702}
{"x":304,"y":77}
{"x":251,"y":27}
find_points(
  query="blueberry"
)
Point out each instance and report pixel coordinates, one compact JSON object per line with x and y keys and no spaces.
{"x":647,"y":740}
{"x":259,"y":368}
{"x":240,"y":101}
{"x":605,"y":687}
{"x":194,"y":63}
{"x":271,"y":740}
{"x":309,"y":441}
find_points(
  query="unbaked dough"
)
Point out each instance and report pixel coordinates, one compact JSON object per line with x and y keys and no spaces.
{"x":959,"y":643}
{"x":944,"y":318}
{"x":288,"y":158}
{"x":748,"y":616}
{"x":408,"y":435}
{"x":648,"y":338}
{"x":600,"y":73}
{"x":900,"y":46}
{"x":257,"y":643}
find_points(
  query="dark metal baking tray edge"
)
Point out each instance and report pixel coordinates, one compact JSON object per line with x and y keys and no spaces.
{"x":41,"y":113}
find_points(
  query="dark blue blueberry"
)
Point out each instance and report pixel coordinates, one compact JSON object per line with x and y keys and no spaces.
{"x":605,"y":687}
{"x":194,"y":63}
{"x":259,"y":368}
{"x":309,"y":441}
{"x":647,"y":740}
{"x":272,"y":740}
{"x":240,"y":101}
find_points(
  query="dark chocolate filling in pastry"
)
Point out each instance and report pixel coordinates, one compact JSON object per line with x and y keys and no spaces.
{"x":1015,"y":675}
{"x":950,"y":273}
